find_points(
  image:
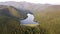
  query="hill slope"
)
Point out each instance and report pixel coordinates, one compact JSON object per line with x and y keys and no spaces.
{"x":11,"y":11}
{"x":49,"y":18}
{"x":10,"y":24}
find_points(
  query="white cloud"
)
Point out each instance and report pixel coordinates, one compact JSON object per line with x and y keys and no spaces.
{"x":36,"y":1}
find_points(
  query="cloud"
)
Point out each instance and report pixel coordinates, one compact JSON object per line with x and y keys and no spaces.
{"x":36,"y":1}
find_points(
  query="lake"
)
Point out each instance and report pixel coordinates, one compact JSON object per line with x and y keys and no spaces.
{"x":29,"y":20}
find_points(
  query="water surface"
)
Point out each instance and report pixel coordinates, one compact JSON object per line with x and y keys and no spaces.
{"x":29,"y":20}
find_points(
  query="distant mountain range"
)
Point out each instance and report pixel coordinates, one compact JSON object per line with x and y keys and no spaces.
{"x":26,"y":5}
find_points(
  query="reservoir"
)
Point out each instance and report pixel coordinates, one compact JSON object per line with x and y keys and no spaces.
{"x":29,"y":20}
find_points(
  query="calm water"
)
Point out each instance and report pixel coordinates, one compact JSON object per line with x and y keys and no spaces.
{"x":29,"y":20}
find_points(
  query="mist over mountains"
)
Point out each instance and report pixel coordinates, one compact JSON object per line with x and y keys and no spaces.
{"x":26,"y":5}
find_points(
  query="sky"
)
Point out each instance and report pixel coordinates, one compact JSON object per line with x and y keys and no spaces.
{"x":37,"y":1}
